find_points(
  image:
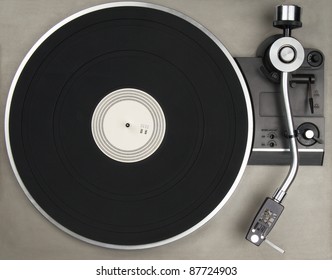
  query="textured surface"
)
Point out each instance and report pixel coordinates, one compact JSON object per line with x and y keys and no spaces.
{"x":305,"y":228}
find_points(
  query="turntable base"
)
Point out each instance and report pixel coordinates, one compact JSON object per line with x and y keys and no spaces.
{"x":27,"y":235}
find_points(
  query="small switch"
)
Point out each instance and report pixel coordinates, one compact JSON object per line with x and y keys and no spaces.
{"x":287,"y":54}
{"x":272,"y":144}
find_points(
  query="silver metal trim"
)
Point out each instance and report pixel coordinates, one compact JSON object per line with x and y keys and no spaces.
{"x":288,"y":12}
{"x":278,"y":45}
{"x":216,"y":41}
{"x":269,"y":150}
{"x":282,"y":191}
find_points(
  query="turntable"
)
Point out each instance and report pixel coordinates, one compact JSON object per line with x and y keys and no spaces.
{"x":129,"y":125}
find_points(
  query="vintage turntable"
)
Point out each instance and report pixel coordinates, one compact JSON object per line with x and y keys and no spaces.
{"x":129,"y":125}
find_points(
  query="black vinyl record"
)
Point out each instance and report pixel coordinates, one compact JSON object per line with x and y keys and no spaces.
{"x":179,"y":186}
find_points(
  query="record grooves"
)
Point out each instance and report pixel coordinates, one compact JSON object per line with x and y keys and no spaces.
{"x":195,"y":167}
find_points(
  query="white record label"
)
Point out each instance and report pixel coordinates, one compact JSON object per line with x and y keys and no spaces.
{"x":128,"y":125}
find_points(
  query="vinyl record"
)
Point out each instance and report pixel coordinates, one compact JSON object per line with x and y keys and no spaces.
{"x":128,"y":125}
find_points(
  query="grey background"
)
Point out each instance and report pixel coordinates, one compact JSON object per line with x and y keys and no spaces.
{"x":304,"y":229}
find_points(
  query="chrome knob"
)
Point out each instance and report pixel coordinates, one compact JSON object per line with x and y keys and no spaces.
{"x":288,"y":16}
{"x":309,"y":134}
{"x":287,"y":54}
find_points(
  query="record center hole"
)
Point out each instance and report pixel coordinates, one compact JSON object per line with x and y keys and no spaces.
{"x":127,"y":124}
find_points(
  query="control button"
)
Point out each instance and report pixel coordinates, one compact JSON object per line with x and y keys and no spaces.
{"x":309,"y":134}
{"x":315,"y":59}
{"x":272,"y":144}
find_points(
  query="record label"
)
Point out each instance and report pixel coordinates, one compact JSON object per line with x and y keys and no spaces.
{"x":128,"y":125}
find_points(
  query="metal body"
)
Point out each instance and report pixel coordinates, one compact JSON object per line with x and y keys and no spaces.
{"x":288,"y":12}
{"x":281,"y":192}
